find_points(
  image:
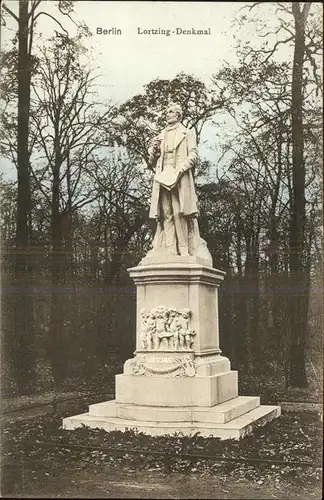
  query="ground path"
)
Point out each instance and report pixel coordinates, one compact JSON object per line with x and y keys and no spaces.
{"x":66,"y":481}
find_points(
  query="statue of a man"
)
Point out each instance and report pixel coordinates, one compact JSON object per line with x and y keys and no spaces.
{"x":174,"y":201}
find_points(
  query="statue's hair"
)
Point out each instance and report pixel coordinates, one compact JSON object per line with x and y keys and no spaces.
{"x":176,"y":107}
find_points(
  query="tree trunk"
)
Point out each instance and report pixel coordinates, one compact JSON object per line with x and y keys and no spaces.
{"x":299,"y":279}
{"x":23,"y":311}
{"x":253,"y":301}
{"x":57,"y":351}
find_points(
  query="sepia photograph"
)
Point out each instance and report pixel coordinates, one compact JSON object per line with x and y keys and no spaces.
{"x":161,"y":235}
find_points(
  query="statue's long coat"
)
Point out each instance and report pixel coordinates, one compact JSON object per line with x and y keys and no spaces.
{"x":186,"y":155}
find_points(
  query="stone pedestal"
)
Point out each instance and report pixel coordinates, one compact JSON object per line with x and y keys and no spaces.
{"x":177,"y":381}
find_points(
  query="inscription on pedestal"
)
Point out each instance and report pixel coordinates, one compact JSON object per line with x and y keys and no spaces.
{"x":159,"y":360}
{"x":167,"y":329}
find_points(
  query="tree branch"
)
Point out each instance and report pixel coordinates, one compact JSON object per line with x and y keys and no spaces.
{"x":34,"y":7}
{"x":9,"y":11}
{"x":49,"y":15}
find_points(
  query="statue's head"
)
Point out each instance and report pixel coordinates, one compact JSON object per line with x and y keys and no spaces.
{"x":186,"y":313}
{"x":161,"y":312}
{"x":144,"y":313}
{"x":173,"y":113}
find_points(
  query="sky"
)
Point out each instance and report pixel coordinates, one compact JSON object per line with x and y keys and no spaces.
{"x":132,"y":59}
{"x":128,"y":61}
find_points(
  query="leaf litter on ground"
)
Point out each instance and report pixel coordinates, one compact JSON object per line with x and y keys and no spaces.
{"x":293,"y":437}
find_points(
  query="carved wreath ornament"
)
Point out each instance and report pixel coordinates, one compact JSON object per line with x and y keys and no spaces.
{"x":167,"y":329}
{"x":178,"y":367}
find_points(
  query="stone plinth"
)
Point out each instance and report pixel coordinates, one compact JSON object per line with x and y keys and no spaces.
{"x":177,"y":380}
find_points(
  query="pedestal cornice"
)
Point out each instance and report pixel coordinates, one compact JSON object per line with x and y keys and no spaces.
{"x":174,"y":272}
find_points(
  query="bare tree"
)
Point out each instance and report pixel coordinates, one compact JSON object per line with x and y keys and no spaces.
{"x":281,"y":107}
{"x":299,"y":271}
{"x":26,"y":20}
{"x":68,"y":128}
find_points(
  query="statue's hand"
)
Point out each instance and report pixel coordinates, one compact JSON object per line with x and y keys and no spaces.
{"x":182,"y":169}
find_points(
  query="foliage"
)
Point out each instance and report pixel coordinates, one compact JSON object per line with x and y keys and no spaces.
{"x":143,"y":116}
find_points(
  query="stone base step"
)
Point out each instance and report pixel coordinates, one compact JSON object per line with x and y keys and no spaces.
{"x":221,"y":413}
{"x":235,"y":429}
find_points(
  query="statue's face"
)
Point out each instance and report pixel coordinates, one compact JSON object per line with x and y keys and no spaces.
{"x":172,"y":116}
